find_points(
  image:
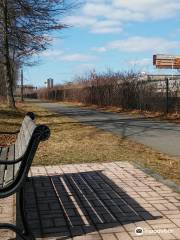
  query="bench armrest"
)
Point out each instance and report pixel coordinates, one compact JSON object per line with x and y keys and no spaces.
{"x":10,"y":162}
{"x":9,"y":133}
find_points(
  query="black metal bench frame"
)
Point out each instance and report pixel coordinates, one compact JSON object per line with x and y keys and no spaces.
{"x":41,"y":133}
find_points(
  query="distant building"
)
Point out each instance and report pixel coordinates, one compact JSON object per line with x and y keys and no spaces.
{"x":27,"y":89}
{"x":160,"y":80}
{"x":160,"y":77}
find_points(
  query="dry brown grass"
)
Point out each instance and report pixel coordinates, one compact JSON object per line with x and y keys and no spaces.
{"x":73,"y":142}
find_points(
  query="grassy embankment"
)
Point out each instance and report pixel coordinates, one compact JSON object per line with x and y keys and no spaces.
{"x":72,"y":142}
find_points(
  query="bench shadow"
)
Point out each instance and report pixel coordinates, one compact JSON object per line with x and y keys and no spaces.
{"x":74,"y":204}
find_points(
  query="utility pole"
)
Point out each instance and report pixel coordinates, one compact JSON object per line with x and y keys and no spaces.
{"x":22,"y":85}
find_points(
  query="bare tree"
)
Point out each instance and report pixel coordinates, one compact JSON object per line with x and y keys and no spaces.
{"x":24,"y":26}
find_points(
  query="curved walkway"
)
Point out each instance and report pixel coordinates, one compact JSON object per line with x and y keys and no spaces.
{"x":162,"y":136}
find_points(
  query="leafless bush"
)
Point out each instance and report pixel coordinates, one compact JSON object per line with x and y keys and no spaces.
{"x":125,"y":90}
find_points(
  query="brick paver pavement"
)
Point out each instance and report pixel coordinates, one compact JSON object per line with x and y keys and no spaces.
{"x":96,"y":201}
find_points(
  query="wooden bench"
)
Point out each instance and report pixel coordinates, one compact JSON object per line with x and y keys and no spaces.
{"x":15,"y":162}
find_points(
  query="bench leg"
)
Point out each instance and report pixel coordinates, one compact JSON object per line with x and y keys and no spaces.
{"x":21,"y":209}
{"x":14,"y":229}
{"x":23,"y":232}
{"x":20,"y":234}
{"x":20,"y":202}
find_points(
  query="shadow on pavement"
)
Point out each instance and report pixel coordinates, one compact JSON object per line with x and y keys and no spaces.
{"x":74,"y":204}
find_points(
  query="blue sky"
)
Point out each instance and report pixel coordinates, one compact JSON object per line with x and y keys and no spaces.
{"x":116,"y":34}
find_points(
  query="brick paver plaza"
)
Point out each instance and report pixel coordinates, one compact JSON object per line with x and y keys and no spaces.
{"x":96,"y":201}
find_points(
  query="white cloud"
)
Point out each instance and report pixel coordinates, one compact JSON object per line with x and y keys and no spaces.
{"x":106,"y":30}
{"x":97,"y":10}
{"x":61,"y":56}
{"x":151,"y":9}
{"x":141,"y":44}
{"x":76,"y":57}
{"x":118,"y":12}
{"x":80,"y":21}
{"x":140,"y":62}
{"x":106,"y":26}
{"x":100,"y":49}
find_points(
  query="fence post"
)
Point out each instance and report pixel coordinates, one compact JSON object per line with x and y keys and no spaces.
{"x":167,"y":95}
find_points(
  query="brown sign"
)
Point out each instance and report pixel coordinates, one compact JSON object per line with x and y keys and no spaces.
{"x":166,"y":61}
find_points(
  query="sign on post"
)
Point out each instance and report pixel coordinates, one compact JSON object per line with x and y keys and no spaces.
{"x":166,"y":61}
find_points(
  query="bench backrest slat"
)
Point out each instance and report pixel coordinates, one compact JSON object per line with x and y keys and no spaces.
{"x":18,"y":149}
{"x":17,"y":154}
{"x":3,"y":156}
{"x":2,"y":171}
{"x":9,"y":174}
{"x":24,"y":135}
{"x":13,"y":175}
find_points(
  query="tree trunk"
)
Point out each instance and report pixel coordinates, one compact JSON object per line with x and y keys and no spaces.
{"x":7,"y":63}
{"x":9,"y":89}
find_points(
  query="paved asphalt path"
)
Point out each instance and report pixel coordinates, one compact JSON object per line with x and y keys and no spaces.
{"x":160,"y":135}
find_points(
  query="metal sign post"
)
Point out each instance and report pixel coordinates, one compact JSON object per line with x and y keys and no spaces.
{"x":172,"y":62}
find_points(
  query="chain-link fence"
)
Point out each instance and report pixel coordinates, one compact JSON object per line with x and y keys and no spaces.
{"x":153,"y":95}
